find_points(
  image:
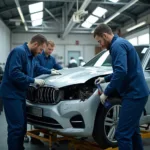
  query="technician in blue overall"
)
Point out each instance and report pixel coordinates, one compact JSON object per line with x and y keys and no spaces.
{"x":46,"y":60}
{"x":17,"y":77}
{"x":129,"y":81}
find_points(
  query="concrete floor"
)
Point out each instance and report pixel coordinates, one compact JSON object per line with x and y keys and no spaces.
{"x":28,"y":146}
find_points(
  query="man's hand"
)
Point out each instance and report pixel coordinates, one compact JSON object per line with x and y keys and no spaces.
{"x":99,"y":80}
{"x":55,"y":72}
{"x":39,"y":82}
{"x":103,"y":98}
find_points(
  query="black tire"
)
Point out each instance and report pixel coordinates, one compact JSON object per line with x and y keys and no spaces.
{"x":101,"y":129}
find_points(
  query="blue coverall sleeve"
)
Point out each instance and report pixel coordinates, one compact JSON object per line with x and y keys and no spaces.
{"x":119,"y":59}
{"x":56,"y":65}
{"x":16,"y":74}
{"x":108,"y":78}
{"x":40,"y":69}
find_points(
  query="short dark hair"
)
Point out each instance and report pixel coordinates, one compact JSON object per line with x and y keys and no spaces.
{"x":102,"y":28}
{"x":40,"y":39}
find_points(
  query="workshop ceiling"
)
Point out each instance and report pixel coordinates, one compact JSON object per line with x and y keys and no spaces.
{"x":57,"y":14}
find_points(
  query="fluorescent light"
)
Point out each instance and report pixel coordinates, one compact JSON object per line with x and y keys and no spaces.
{"x":26,"y":28}
{"x":86,"y":24}
{"x":37,"y":22}
{"x":21,"y":15}
{"x":89,"y":21}
{"x":92,"y":19}
{"x":37,"y":16}
{"x":114,"y":1}
{"x":111,"y":18}
{"x":128,"y":5}
{"x":36,"y":7}
{"x":99,"y":11}
{"x":136,"y":26}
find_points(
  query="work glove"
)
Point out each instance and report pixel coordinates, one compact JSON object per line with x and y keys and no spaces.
{"x":55,"y":72}
{"x":99,"y":80}
{"x":103,"y":98}
{"x":39,"y":82}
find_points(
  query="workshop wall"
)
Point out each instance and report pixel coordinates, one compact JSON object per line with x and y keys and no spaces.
{"x":141,"y":36}
{"x":84,"y":44}
{"x":4,"y":43}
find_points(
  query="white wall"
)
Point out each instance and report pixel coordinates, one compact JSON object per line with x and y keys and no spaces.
{"x":136,"y":37}
{"x":86,"y":44}
{"x":4,"y":43}
{"x":136,"y":34}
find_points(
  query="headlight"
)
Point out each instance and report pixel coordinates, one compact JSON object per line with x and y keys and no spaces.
{"x":75,"y":92}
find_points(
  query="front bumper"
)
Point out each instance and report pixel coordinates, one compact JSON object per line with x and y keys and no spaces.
{"x":58,"y":117}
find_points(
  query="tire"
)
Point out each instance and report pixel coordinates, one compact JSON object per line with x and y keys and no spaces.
{"x":103,"y":127}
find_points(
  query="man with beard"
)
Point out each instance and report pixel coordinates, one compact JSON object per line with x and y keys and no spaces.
{"x":18,"y":75}
{"x":128,"y":79}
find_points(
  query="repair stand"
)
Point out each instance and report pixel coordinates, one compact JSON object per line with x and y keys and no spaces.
{"x":73,"y":143}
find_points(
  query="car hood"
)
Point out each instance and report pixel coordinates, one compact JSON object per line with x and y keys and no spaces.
{"x":75,"y":75}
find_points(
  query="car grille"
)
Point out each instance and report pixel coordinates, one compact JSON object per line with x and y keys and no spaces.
{"x":43,"y":121}
{"x":43,"y":95}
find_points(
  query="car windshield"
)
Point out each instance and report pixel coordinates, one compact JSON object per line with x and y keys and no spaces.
{"x":104,"y":58}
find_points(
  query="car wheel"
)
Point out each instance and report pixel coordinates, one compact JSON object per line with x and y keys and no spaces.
{"x":105,"y":124}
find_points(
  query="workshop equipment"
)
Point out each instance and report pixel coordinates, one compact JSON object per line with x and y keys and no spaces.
{"x":73,"y":143}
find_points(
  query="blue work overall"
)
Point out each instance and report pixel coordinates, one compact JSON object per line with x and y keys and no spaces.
{"x":48,"y":62}
{"x":17,"y":77}
{"x":128,"y":79}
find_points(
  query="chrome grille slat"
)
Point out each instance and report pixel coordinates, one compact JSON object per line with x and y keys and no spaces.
{"x":43,"y":95}
{"x":51,"y":94}
{"x":37,"y":95}
{"x":47,"y":95}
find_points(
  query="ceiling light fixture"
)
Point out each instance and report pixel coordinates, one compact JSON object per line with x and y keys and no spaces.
{"x":86,"y":24}
{"x":37,"y":16}
{"x":21,"y":15}
{"x":99,"y":11}
{"x":114,"y":1}
{"x":136,"y":26}
{"x":36,"y":7}
{"x":26,"y":28}
{"x":128,"y":5}
{"x":92,"y":19}
{"x":37,"y":22}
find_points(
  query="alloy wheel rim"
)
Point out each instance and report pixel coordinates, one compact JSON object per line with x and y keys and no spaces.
{"x":110,"y":123}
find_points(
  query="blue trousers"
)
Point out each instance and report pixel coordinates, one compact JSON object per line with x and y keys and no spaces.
{"x":128,"y":131}
{"x":15,"y":112}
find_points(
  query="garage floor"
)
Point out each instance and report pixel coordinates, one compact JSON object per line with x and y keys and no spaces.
{"x":28,"y":146}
